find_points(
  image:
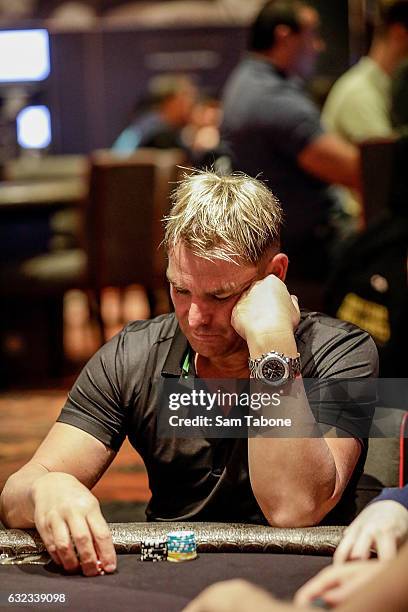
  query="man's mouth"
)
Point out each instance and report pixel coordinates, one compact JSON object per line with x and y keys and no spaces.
{"x":205,"y":335}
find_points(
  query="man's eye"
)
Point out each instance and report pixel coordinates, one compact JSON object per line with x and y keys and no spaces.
{"x":222,"y":299}
{"x":180,"y":291}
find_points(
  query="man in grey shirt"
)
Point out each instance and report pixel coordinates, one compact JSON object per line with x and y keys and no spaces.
{"x":234,"y":320}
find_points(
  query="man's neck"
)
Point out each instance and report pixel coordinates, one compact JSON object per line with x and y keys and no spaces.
{"x":277,"y":60}
{"x":386,"y":56}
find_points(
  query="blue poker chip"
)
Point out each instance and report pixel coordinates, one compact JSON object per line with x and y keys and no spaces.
{"x":181,"y":546}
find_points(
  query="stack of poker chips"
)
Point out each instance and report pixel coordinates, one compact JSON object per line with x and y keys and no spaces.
{"x":181,"y":546}
{"x":154,"y":549}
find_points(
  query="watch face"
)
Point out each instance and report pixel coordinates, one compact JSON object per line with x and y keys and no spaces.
{"x":274,"y":370}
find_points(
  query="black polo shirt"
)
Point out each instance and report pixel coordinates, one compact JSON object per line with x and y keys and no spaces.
{"x":117,"y":395}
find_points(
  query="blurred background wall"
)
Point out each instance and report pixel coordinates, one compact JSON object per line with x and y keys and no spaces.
{"x":103,"y":53}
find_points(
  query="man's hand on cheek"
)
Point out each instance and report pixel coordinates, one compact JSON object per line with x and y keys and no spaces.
{"x":266,"y":308}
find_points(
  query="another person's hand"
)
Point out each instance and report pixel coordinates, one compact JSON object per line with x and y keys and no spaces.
{"x":234,"y":596}
{"x":69,"y":520}
{"x":266,"y":308}
{"x":337,"y":583}
{"x":382,"y":525}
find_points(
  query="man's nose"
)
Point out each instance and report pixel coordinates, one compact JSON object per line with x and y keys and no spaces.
{"x":198,"y":315}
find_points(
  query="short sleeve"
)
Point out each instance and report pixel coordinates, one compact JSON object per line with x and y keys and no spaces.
{"x":396,"y":494}
{"x":359,"y":118}
{"x":293,"y":121}
{"x":340,"y":377}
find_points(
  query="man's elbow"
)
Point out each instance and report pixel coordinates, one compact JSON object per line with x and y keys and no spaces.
{"x":304,"y":511}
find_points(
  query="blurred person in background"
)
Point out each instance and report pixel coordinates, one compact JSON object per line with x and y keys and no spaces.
{"x":272,"y":129}
{"x":358,"y":105}
{"x":162,"y":117}
{"x":202,"y":134}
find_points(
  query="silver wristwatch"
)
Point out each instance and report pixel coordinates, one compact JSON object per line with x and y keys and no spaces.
{"x":274,"y":368}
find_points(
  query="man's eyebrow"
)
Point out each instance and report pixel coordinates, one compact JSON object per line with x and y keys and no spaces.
{"x":229,"y":287}
{"x":232,"y":287}
{"x":170,"y":279}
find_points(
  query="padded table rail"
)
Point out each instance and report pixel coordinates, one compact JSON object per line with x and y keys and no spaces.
{"x":210,"y":537}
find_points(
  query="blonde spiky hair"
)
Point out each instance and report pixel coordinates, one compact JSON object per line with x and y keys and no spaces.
{"x":231,"y":217}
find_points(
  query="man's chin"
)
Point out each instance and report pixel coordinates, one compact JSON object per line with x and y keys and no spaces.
{"x":208,"y":346}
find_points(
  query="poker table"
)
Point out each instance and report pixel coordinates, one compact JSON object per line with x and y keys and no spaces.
{"x":279,"y":560}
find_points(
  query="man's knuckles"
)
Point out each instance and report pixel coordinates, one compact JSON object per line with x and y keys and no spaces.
{"x":81,"y":539}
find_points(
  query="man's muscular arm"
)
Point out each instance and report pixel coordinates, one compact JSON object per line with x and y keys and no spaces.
{"x":51,"y":492}
{"x":296,"y":481}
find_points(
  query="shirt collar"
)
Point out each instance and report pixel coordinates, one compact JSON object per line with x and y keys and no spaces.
{"x":178,"y":349}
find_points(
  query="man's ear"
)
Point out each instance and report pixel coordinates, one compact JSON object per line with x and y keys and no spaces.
{"x":278,"y":265}
{"x":282,"y":32}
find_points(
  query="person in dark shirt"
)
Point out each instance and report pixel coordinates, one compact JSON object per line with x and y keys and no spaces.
{"x":234,"y":321}
{"x":272,"y":129}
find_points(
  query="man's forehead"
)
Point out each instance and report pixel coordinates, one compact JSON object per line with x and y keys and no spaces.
{"x":184,"y":268}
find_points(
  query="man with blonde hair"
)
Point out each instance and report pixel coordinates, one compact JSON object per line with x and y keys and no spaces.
{"x":234,"y":319}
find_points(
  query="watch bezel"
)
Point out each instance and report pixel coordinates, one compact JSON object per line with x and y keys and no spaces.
{"x":268,"y":359}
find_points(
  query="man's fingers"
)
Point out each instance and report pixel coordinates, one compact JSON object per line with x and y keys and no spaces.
{"x":386,"y":546}
{"x":63,"y":544}
{"x":339,"y":594}
{"x":343,"y":549}
{"x":295,"y":301}
{"x":84,"y":545}
{"x":45,"y":530}
{"x":103,"y":540}
{"x":317,"y":586}
{"x":362,"y":548}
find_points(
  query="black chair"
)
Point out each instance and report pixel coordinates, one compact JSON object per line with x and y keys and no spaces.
{"x":384,"y":163}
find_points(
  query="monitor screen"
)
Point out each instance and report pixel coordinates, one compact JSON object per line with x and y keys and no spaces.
{"x":34,"y":127}
{"x":24,"y":56}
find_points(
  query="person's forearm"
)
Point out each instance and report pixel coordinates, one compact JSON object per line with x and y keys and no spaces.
{"x":299,"y":469}
{"x":16,"y":503}
{"x":293,"y":479}
{"x":333,"y":160}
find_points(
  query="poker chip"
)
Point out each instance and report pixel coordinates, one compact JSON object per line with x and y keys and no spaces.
{"x":181,"y":546}
{"x":177,"y":546}
{"x":153,"y":549}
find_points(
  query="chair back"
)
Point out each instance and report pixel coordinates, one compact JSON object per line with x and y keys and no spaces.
{"x":387,"y":459}
{"x":127,"y":198}
{"x":384,"y":165}
{"x":377,"y":162}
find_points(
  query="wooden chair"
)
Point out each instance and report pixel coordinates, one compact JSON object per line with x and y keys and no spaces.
{"x":128,"y":197}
